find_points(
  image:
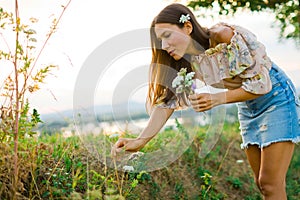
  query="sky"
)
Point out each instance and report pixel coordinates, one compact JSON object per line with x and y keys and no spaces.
{"x":88,"y":24}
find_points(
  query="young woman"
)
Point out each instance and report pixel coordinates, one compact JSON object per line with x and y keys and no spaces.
{"x":226,"y":56}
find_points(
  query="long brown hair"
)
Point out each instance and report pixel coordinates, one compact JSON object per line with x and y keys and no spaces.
{"x":164,"y":67}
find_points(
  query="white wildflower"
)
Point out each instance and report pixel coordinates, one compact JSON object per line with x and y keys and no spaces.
{"x":190,"y":75}
{"x":180,"y":89}
{"x":128,"y":168}
{"x":114,"y":135}
{"x":135,"y":155}
{"x":184,"y":82}
{"x":177,"y":81}
{"x":184,"y":18}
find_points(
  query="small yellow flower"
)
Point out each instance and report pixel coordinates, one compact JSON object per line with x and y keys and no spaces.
{"x":33,"y":88}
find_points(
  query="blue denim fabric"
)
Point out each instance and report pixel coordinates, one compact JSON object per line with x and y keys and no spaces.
{"x":273,"y":117}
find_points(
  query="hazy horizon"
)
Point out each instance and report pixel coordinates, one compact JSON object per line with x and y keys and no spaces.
{"x":87,"y":25}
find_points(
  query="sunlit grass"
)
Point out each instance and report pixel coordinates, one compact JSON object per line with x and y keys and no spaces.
{"x":54,"y":167}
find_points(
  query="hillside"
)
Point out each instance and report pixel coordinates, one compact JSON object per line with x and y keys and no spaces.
{"x":53,"y":167}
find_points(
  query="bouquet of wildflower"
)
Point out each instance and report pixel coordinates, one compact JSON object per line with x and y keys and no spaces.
{"x":184,"y":82}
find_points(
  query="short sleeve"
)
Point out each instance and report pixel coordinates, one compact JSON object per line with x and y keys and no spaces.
{"x":171,"y":104}
{"x":259,"y":83}
{"x":244,"y":57}
{"x":251,"y":65}
{"x":179,"y":102}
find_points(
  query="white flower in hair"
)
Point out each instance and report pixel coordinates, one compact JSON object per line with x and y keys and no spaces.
{"x":184,"y":18}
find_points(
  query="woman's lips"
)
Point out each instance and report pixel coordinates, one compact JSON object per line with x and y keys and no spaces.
{"x":172,"y":53}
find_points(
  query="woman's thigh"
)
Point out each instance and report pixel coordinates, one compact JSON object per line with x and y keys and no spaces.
{"x":275,"y":160}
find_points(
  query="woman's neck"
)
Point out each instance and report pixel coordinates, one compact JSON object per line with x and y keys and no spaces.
{"x":195,"y":49}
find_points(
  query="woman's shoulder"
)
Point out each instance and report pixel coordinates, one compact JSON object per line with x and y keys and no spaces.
{"x":228,"y":33}
{"x":220,"y":33}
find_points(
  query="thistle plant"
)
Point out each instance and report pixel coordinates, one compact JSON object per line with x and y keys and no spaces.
{"x":184,"y":82}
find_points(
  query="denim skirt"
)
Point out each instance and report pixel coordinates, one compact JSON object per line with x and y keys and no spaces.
{"x":273,"y":117}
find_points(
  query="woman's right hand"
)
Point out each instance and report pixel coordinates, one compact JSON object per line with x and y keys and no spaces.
{"x":158,"y":118}
{"x":128,"y":144}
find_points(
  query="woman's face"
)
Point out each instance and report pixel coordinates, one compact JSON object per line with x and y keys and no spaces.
{"x":174,"y":40}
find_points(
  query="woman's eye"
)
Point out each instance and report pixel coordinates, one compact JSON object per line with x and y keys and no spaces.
{"x":167,"y":35}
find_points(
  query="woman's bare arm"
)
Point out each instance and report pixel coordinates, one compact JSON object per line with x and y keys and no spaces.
{"x":205,"y":101}
{"x":157,"y":120}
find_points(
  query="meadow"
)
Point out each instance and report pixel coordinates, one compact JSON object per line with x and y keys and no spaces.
{"x":55,"y":167}
{"x":51,"y":166}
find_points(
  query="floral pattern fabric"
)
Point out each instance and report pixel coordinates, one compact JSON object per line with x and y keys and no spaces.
{"x":244,"y":59}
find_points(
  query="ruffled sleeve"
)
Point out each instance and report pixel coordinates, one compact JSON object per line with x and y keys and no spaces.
{"x":177,"y":102}
{"x":244,"y":57}
{"x":171,"y":104}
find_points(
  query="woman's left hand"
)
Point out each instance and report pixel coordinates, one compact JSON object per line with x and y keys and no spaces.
{"x":203,"y":101}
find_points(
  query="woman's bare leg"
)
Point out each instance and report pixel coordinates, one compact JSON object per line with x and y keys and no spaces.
{"x":275,"y":160}
{"x":254,"y":156}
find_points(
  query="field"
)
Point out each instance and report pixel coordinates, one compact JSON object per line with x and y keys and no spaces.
{"x":54,"y":167}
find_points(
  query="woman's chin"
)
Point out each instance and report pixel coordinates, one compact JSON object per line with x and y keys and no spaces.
{"x":177,"y":57}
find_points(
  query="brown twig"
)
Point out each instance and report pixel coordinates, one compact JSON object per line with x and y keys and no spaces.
{"x":16,"y":126}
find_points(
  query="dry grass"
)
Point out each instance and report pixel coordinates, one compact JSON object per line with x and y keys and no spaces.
{"x":61,"y":168}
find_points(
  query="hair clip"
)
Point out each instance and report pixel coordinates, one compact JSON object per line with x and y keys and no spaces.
{"x":184,"y":18}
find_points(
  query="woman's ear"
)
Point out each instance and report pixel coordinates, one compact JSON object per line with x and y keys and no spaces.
{"x":188,"y":27}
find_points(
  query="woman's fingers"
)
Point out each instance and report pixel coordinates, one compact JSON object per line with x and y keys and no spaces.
{"x":125,"y":144}
{"x":198,"y":98}
{"x":118,"y":146}
{"x":120,"y":143}
{"x":200,"y":102}
{"x":128,"y":144}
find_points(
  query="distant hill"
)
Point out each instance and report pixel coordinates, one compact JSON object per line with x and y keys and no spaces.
{"x":55,"y":122}
{"x":99,"y":110}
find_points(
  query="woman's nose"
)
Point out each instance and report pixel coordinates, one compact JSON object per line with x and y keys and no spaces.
{"x":164,"y":44}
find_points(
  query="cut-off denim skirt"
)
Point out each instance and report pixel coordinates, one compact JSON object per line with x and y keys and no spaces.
{"x":273,"y":117}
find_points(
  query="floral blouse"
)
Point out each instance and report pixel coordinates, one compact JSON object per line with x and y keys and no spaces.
{"x":242,"y":63}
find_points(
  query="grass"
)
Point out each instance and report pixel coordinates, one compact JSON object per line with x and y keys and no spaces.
{"x":53,"y":167}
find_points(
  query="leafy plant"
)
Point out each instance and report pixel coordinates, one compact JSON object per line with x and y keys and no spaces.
{"x":25,"y":77}
{"x":286,"y":12}
{"x":235,"y":182}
